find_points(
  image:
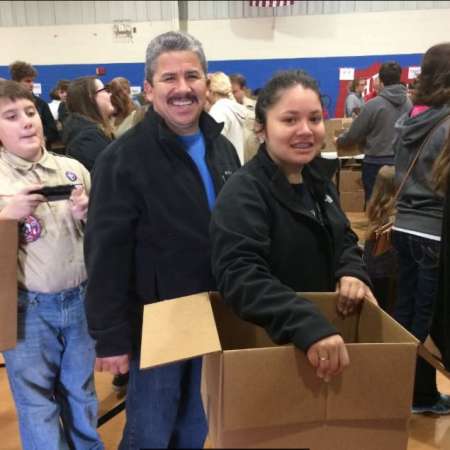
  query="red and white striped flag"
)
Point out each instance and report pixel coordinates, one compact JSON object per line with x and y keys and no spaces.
{"x":271,"y":3}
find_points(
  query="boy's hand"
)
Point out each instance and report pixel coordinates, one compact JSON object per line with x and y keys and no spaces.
{"x":22,"y":204}
{"x":79,"y":203}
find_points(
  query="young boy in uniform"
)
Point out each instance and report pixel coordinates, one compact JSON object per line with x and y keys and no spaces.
{"x":50,"y":370}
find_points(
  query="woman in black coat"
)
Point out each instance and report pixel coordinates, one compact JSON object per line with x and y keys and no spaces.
{"x":87,"y":130}
{"x":277,"y":228}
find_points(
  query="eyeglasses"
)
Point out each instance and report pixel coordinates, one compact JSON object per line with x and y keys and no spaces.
{"x":104,"y":88}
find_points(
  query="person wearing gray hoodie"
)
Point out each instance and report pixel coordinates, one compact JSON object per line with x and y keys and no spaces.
{"x":374,"y":128}
{"x":419,"y":213}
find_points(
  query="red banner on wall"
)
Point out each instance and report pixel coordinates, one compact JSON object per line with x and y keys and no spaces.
{"x":369,"y":74}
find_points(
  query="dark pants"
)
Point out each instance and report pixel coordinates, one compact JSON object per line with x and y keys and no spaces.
{"x":418,"y":261}
{"x":164,"y":408}
{"x":369,"y":174}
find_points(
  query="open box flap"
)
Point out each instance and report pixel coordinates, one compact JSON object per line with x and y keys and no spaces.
{"x":178,"y":329}
{"x":8,"y":283}
{"x":428,"y":354}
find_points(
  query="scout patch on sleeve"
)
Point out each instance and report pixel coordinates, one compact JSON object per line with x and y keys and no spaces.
{"x":30,"y":230}
{"x":71,"y":176}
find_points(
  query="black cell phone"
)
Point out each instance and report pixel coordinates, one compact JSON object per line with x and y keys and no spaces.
{"x":54,"y":193}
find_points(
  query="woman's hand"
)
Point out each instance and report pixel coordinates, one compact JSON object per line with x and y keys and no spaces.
{"x":351,"y":292}
{"x":328,"y":356}
{"x":22,"y":204}
{"x":79,"y":203}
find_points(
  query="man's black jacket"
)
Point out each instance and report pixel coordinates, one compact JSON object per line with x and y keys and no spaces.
{"x":147,"y":233}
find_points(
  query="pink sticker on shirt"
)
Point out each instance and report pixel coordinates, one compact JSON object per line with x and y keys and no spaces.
{"x":71,"y":176}
{"x":30,"y":230}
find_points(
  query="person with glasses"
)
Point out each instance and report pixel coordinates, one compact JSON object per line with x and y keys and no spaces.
{"x":354,"y":103}
{"x":87,"y":130}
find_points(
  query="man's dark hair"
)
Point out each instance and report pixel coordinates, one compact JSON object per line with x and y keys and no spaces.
{"x":238,"y":79}
{"x":21,"y":69}
{"x":390,"y":73}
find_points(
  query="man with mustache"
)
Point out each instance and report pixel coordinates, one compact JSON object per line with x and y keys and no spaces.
{"x":147,"y":238}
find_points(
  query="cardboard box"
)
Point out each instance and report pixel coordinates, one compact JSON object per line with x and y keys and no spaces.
{"x":352,"y":201}
{"x":8,"y":283}
{"x":259,"y":395}
{"x":331,"y":127}
{"x":350,"y":181}
{"x":178,"y":329}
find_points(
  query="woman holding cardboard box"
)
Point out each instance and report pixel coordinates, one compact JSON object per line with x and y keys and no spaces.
{"x":277,"y":228}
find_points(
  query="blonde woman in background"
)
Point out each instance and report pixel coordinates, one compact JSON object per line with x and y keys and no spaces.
{"x":225,"y":109}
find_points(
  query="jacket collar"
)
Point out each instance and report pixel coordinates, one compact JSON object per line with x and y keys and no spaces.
{"x":18,"y":163}
{"x":316,"y":174}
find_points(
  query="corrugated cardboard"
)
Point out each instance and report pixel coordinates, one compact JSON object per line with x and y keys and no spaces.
{"x":352,"y":201}
{"x":350,"y":180}
{"x":8,"y":283}
{"x":260,"y":395}
{"x":178,"y":329}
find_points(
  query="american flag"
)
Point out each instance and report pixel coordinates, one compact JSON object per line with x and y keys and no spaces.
{"x":271,"y":3}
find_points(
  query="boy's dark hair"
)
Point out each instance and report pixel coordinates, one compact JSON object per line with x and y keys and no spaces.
{"x":390,"y":73}
{"x":271,"y":92}
{"x":433,"y":83}
{"x":238,"y":79}
{"x":13,"y":91}
{"x":21,"y":69}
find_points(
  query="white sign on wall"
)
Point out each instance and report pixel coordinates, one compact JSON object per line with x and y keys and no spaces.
{"x":135,"y":90}
{"x":346,"y":73}
{"x":37,"y":88}
{"x":413,"y":72}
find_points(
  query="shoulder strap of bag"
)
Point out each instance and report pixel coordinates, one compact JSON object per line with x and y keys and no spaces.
{"x":411,"y":166}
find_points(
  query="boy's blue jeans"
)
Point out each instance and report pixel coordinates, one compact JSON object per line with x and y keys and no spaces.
{"x":50,"y":372}
{"x":164,"y":408}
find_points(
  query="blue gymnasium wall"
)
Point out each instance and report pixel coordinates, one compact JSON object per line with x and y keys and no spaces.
{"x":257,"y":72}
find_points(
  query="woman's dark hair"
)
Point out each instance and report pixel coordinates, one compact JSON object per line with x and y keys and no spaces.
{"x":433,"y":83}
{"x":270,"y":94}
{"x":81,"y":100}
{"x":54,"y":94}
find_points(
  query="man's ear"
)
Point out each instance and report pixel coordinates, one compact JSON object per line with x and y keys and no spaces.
{"x":148,"y":90}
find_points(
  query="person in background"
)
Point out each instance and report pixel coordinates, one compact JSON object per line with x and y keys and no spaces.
{"x":374,"y":127}
{"x":62,"y":87}
{"x":240,"y":91}
{"x":51,"y":369}
{"x":383,"y":268}
{"x":419,"y":209}
{"x":354,"y":103}
{"x":440,"y":325}
{"x":147,"y":239}
{"x":277,"y":229}
{"x":124,"y":108}
{"x":374,"y":89}
{"x":224,"y":109}
{"x":25,"y":74}
{"x":54,"y":104}
{"x":87,"y":130}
